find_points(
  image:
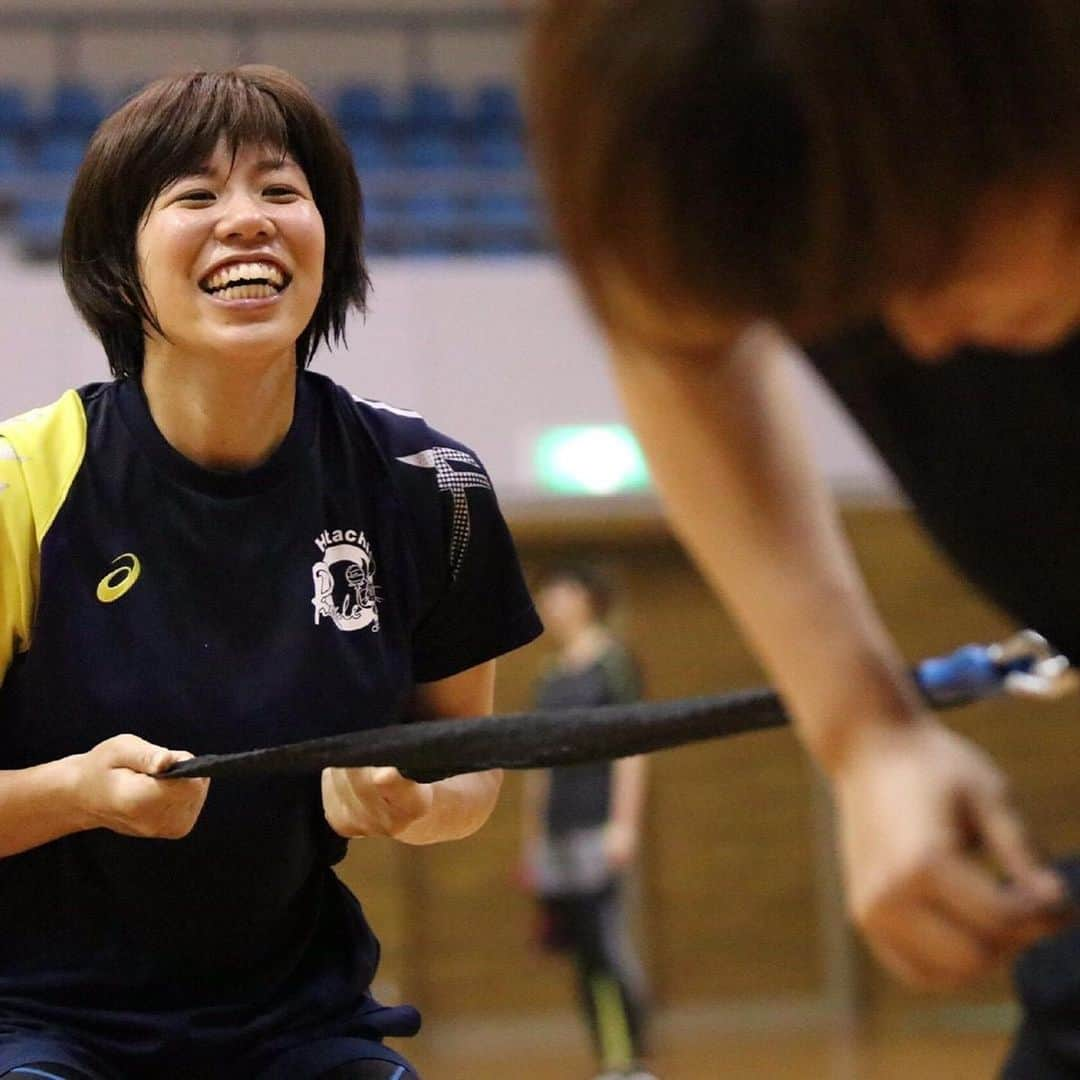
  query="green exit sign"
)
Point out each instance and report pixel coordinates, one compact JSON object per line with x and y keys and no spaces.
{"x":592,"y":459}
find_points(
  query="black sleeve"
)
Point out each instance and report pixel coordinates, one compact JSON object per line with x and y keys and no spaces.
{"x":481,"y":608}
{"x":623,"y":675}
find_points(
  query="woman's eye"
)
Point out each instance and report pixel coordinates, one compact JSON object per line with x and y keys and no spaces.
{"x":198,"y":196}
{"x":279,"y":191}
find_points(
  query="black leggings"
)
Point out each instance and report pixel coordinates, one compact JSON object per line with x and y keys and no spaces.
{"x":610,"y":982}
{"x":351,"y":1070}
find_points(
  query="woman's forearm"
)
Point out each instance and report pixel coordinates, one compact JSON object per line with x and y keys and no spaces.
{"x":628,"y":792}
{"x":37,"y":805}
{"x":459,"y":806}
{"x":534,"y":793}
{"x":745,"y":499}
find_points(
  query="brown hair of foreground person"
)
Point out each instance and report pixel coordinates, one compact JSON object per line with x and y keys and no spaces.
{"x":791,"y":159}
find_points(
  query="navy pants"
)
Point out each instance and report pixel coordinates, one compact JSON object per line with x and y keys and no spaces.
{"x":368,"y":1069}
{"x":1047,"y":1046}
{"x":55,"y":1056}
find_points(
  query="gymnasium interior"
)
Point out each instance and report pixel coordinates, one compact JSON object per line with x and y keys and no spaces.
{"x":474,"y":322}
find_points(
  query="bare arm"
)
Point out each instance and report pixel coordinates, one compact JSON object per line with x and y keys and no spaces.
{"x":113,"y":786}
{"x":37,"y":805}
{"x":534,"y":793}
{"x":381,"y":802}
{"x":723,"y":439}
{"x":745,"y":499}
{"x":628,"y":788}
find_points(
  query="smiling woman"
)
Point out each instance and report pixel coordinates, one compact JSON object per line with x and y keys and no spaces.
{"x":220,"y":550}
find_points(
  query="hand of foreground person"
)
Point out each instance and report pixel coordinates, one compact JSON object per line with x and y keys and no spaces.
{"x":941,"y":878}
{"x":372,"y":801}
{"x":117,"y":788}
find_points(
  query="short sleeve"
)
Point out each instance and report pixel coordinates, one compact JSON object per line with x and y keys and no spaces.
{"x":18,"y":558}
{"x":40,"y":453}
{"x":482,"y":608}
{"x":623,"y":675}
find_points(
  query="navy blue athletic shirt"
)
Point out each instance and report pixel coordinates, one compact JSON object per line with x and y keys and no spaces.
{"x":986,"y":445}
{"x":218,"y":612}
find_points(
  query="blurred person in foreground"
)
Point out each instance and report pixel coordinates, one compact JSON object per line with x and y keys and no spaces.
{"x":582,"y":823}
{"x":892,"y":191}
{"x":220,"y":550}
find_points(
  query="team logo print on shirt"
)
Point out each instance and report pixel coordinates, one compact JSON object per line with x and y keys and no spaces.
{"x":119,"y":580}
{"x":455,"y":472}
{"x":344,"y":581}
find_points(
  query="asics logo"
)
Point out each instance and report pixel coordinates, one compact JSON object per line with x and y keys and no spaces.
{"x":118,"y":581}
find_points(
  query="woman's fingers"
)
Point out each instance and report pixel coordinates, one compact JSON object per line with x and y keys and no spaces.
{"x":1005,"y":839}
{"x":953,"y":922}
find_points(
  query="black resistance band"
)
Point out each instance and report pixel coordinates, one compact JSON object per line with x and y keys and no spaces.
{"x":430,"y":750}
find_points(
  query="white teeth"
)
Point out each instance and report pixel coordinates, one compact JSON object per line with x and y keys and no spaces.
{"x":246,"y":271}
{"x":246,"y":292}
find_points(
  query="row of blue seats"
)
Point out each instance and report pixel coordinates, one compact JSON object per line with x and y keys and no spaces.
{"x":62,"y":153}
{"x":425,"y":223}
{"x":77,"y":108}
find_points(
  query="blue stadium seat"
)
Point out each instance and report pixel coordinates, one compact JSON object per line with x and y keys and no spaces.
{"x":75,"y":109}
{"x":430,"y":107}
{"x":494,"y":107}
{"x":432,"y":224}
{"x":12,"y":170}
{"x":371,"y":150}
{"x":381,"y":217}
{"x":60,"y":153}
{"x":498,"y":150}
{"x":12,"y":161}
{"x":431,"y":150}
{"x":361,"y":107}
{"x":14,"y":112}
{"x":504,"y":223}
{"x":39,"y":225}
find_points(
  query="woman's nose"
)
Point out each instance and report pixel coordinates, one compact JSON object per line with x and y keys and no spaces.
{"x":244,"y":218}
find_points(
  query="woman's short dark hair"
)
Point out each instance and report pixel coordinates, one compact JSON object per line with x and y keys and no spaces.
{"x":160,"y":134}
{"x":792,"y":159}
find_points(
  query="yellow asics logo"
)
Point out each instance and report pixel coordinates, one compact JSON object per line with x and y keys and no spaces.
{"x":117,"y":582}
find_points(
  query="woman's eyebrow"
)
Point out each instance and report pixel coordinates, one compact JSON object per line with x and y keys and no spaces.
{"x":263,"y":165}
{"x":271,"y":164}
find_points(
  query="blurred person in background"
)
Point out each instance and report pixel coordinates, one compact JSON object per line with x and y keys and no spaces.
{"x":582,"y":824}
{"x":221,"y":550}
{"x":893,"y":190}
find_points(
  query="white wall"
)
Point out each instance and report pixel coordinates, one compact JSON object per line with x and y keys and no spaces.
{"x":492,"y":352}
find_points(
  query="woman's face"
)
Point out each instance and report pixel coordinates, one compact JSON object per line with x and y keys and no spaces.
{"x":565,"y":608}
{"x":1018,"y":288}
{"x":231,"y":257}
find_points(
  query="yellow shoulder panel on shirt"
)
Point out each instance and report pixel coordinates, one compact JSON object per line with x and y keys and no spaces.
{"x":40,"y":453}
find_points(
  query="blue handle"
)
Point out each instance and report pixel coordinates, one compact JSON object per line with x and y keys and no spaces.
{"x":965,"y":675}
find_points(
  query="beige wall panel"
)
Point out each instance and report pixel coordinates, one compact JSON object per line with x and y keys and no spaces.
{"x":463,"y":59}
{"x":121,"y":60}
{"x":325,"y":59}
{"x":42,"y":7}
{"x":28,"y":59}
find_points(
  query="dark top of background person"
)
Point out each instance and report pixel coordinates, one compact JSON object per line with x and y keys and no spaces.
{"x":579,"y":796}
{"x":791,"y":160}
{"x":993,"y":478}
